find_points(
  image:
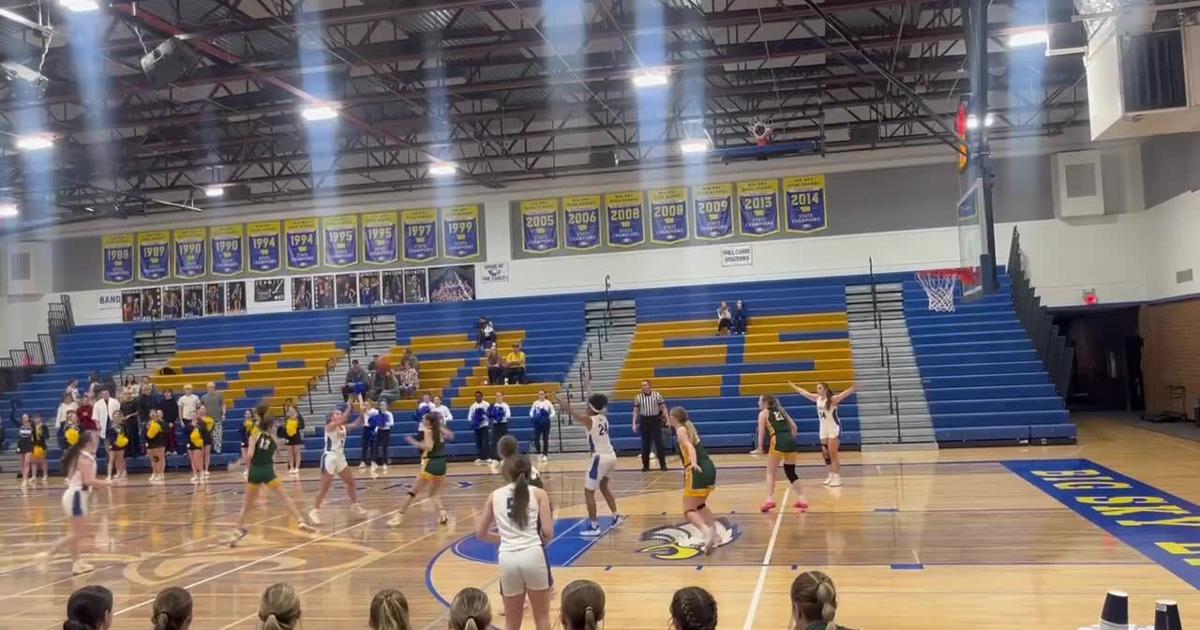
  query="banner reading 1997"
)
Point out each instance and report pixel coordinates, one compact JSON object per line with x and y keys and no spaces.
{"x":341,"y":240}
{"x":714,"y":211}
{"x":461,"y":224}
{"x":117,"y":258}
{"x":582,"y":214}
{"x":804,"y":201}
{"x":668,"y":215}
{"x":190,"y":245}
{"x":623,"y":216}
{"x":539,"y":225}
{"x":758,"y":202}
{"x":301,"y":238}
{"x":379,"y":232}
{"x":420,"y":234}
{"x":228,"y":253}
{"x":154,"y":260}
{"x":264,"y":246}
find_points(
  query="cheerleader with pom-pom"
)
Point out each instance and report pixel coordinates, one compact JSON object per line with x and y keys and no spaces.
{"x":478,"y":417}
{"x":25,"y":448}
{"x":41,"y":437}
{"x":293,"y":434}
{"x":542,"y":414}
{"x":195,"y":446}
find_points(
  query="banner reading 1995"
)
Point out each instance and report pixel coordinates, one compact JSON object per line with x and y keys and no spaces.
{"x":758,"y":202}
{"x":379,"y":230}
{"x":582,"y":214}
{"x":804,"y":201}
{"x":190,"y":246}
{"x":228,"y":253}
{"x":668,"y":215}
{"x":154,"y":260}
{"x":420,"y":234}
{"x":117,"y":259}
{"x":623,"y":216}
{"x":264,"y":246}
{"x":341,"y":240}
{"x":539,"y":225}
{"x":714,"y":211}
{"x":301,"y":238}
{"x":461,"y":227}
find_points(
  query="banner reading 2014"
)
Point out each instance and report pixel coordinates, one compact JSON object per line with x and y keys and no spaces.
{"x":264,"y":246}
{"x":668,"y":215}
{"x":190,"y":246}
{"x":460,"y":226}
{"x":714,"y":211}
{"x":117,"y":258}
{"x":379,"y":230}
{"x":539,"y":226}
{"x":228,"y":253}
{"x":301,"y":238}
{"x":420,"y":234}
{"x":758,"y":202}
{"x":804,"y":201}
{"x":623,"y":215}
{"x":154,"y":260}
{"x":341,"y":240}
{"x":582,"y":213}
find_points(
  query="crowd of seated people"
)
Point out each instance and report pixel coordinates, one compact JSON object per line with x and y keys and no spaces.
{"x":732,"y":322}
{"x":381,"y":381}
{"x":583,"y":605}
{"x":502,"y":368}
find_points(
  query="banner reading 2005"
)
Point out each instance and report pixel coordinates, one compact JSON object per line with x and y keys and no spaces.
{"x":264,"y":246}
{"x":420,"y":234}
{"x":460,"y":227}
{"x":117,"y":258}
{"x":154,"y":260}
{"x":758,"y":201}
{"x":301,"y":238}
{"x":714,"y":211}
{"x":190,"y":245}
{"x":623,"y":214}
{"x":668,"y":215}
{"x":341,"y":240}
{"x":379,"y":229}
{"x":582,"y":213}
{"x":227,"y":250}
{"x":804,"y":200}
{"x":539,"y":225}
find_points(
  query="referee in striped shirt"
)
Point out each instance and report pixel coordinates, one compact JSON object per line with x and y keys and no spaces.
{"x":648,"y":413}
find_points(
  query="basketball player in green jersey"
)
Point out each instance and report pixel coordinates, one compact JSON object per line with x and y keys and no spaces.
{"x":261,"y":454}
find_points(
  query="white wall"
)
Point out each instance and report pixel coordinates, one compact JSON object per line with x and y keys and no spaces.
{"x":1171,"y":242}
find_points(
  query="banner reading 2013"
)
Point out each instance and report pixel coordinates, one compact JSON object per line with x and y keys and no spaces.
{"x":668,"y":215}
{"x":460,"y":231}
{"x":539,"y":226}
{"x":804,"y":201}
{"x":264,"y":246}
{"x":190,"y":246}
{"x":301,"y":238}
{"x":154,"y":260}
{"x":714,"y":211}
{"x":623,"y":215}
{"x":341,"y":240}
{"x":228,"y":253}
{"x":758,"y":202}
{"x":582,"y":213}
{"x":117,"y":258}
{"x":379,"y":230}
{"x":420,"y":234}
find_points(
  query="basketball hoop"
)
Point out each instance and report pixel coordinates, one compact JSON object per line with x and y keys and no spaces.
{"x":939,"y":286}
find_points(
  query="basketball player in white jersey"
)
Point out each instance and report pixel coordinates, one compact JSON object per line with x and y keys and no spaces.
{"x":333,"y":462}
{"x":80,"y":466}
{"x":602,"y":463}
{"x":830,"y":430}
{"x":523,"y":523}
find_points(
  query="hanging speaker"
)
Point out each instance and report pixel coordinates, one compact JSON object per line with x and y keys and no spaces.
{"x":168,"y":63}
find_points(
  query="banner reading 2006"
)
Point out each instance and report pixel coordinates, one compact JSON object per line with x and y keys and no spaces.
{"x":379,"y":229}
{"x":623,"y":214}
{"x":117,"y":258}
{"x":154,"y":260}
{"x":668,"y":215}
{"x":804,"y":200}
{"x":758,"y":202}
{"x":301,"y":238}
{"x":190,"y":246}
{"x":420,"y":234}
{"x":341,"y":240}
{"x":539,"y":226}
{"x":228,"y":254}
{"x":461,"y":231}
{"x":264,"y":246}
{"x":714,"y":211}
{"x":582,"y":213}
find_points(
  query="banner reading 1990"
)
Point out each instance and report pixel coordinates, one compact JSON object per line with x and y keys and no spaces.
{"x":623,"y":216}
{"x":228,"y":253}
{"x":117,"y":258}
{"x":668,"y":215}
{"x":714,"y":211}
{"x":539,"y":225}
{"x":420,"y":234}
{"x":301,"y":238}
{"x":758,"y":201}
{"x":154,"y":260}
{"x":264,"y":246}
{"x":804,"y":202}
{"x":379,"y":233}
{"x":461,"y":224}
{"x":341,"y":240}
{"x":190,"y":246}
{"x":582,"y":213}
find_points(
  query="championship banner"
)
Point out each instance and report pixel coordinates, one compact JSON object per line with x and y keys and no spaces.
{"x":341,"y":240}
{"x":264,"y":246}
{"x":379,"y":232}
{"x":714,"y":211}
{"x":228,"y":253}
{"x":117,"y":258}
{"x":154,"y":261}
{"x":582,"y":213}
{"x":301,"y":238}
{"x":190,"y":248}
{"x":539,"y":225}
{"x":804,"y":201}
{"x":460,"y":236}
{"x":420,"y":234}
{"x":758,"y":202}
{"x":623,"y":214}
{"x":668,"y":215}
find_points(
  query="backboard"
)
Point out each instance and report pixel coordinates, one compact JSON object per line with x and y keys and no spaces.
{"x":970,"y":239}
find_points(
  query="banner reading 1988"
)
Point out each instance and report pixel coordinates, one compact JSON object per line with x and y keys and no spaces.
{"x":582,"y":213}
{"x":623,"y":216}
{"x":668,"y":215}
{"x":341,"y":240}
{"x":714,"y":211}
{"x":301,"y":238}
{"x":758,"y":202}
{"x":264,"y":246}
{"x":539,"y":225}
{"x":379,"y":233}
{"x":420,"y":234}
{"x":227,"y":250}
{"x":804,"y":201}
{"x":117,"y":258}
{"x":461,"y":226}
{"x":190,"y":245}
{"x":154,"y":260}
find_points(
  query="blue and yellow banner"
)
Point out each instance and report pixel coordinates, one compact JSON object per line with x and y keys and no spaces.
{"x":758,"y":202}
{"x":420,"y":234}
{"x":460,"y":226}
{"x":263,"y":237}
{"x":582,"y":214}
{"x":668,"y":215}
{"x":624,"y":216}
{"x":228,"y":252}
{"x":539,"y":226}
{"x":116,"y":258}
{"x":302,"y":243}
{"x":379,"y":237}
{"x":713,"y":205}
{"x":341,"y":240}
{"x":154,"y":257}
{"x":804,"y":203}
{"x":190,"y":248}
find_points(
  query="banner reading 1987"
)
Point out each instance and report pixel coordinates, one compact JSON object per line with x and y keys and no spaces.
{"x":379,"y":234}
{"x":227,"y":251}
{"x":582,"y":213}
{"x":154,"y":260}
{"x":668,"y":215}
{"x":264,"y":246}
{"x":539,"y":225}
{"x":714,"y":211}
{"x":341,"y":240}
{"x":190,"y":245}
{"x":461,"y":226}
{"x":117,"y":258}
{"x":420,"y":234}
{"x":804,"y":201}
{"x":623,"y":217}
{"x":301,"y":238}
{"x":758,"y":201}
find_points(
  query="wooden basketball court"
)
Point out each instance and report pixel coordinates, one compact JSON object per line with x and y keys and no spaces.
{"x":940,"y":539}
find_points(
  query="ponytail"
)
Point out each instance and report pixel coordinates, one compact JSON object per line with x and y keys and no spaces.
{"x":172,"y":609}
{"x":814,"y":598}
{"x":88,"y":608}
{"x":693,"y":608}
{"x":389,"y":611}
{"x":470,"y":610}
{"x":582,"y":605}
{"x":279,"y":608}
{"x":518,"y":470}
{"x":72,"y":456}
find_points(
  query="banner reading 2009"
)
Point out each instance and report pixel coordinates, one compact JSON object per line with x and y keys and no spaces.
{"x":668,"y":215}
{"x":461,"y":231}
{"x":804,"y":200}
{"x":154,"y":260}
{"x":379,"y":230}
{"x":420,"y":234}
{"x":190,"y":259}
{"x":228,"y":254}
{"x":758,"y":202}
{"x":117,"y":259}
{"x":714,"y":211}
{"x":582,"y":213}
{"x":341,"y":240}
{"x":623,"y":215}
{"x":264,"y":246}
{"x":301,"y":238}
{"x":539,"y":226}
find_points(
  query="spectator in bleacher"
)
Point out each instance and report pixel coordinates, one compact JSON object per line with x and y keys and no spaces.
{"x":693,"y":608}
{"x":814,"y":601}
{"x":649,"y":409}
{"x":128,"y":386}
{"x":373,"y":364}
{"x":356,"y":379}
{"x":485,"y":334}
{"x":68,"y":404}
{"x":83,"y":414}
{"x":389,"y":611}
{"x":514,"y":365}
{"x":172,"y":609}
{"x":724,"y":320}
{"x":93,"y":386}
{"x":214,"y":402}
{"x":72,"y":389}
{"x":188,"y":403}
{"x":279,"y":608}
{"x":740,"y":316}
{"x":411,"y":359}
{"x":410,"y":379}
{"x":389,"y":388}
{"x":169,"y":408}
{"x":495,"y":366}
{"x":103,"y":412}
{"x":89,"y":608}
{"x":477,"y":415}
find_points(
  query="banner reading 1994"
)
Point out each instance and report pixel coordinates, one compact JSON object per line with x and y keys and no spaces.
{"x":758,"y":202}
{"x":301,"y":238}
{"x":582,"y":213}
{"x":461,"y":226}
{"x":804,"y":201}
{"x":420,"y":234}
{"x":154,"y":260}
{"x":539,"y":225}
{"x":379,"y":232}
{"x":228,"y":253}
{"x":341,"y":240}
{"x":264,"y":246}
{"x":117,"y":258}
{"x":190,"y":246}
{"x":714,"y":211}
{"x":668,"y":215}
{"x":623,"y":216}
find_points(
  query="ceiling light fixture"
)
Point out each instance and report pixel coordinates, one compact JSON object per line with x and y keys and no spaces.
{"x":1033,"y":37}
{"x":214,"y":190}
{"x":651,"y":77}
{"x":35,"y":142}
{"x":9,"y":210}
{"x":318,"y":112}
{"x":79,"y":6}
{"x":693,"y":146}
{"x":442,"y":168}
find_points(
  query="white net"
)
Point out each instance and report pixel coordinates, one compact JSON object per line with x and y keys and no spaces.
{"x":939,"y":288}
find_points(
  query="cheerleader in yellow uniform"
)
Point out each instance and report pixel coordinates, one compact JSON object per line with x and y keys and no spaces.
{"x":118,"y":444}
{"x":41,"y":438}
{"x":195,"y":447}
{"x":156,"y":446}
{"x":293,"y":434}
{"x":210,"y":425}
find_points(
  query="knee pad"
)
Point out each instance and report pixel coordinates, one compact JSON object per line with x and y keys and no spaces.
{"x":825,"y":454}
{"x":790,"y":471}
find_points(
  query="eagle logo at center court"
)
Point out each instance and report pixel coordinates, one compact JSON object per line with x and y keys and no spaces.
{"x":684,"y":541}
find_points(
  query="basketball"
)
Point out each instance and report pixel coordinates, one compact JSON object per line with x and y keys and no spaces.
{"x":383,"y":364}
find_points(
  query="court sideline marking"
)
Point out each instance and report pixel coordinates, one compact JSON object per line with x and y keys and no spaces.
{"x":766,"y":564}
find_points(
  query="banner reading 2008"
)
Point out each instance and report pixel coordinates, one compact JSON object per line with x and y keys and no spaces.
{"x":264,"y":246}
{"x":379,"y":229}
{"x":460,"y":225}
{"x":154,"y":260}
{"x":804,"y":200}
{"x":226,"y":249}
{"x":623,"y":214}
{"x":341,"y":240}
{"x":420,"y":234}
{"x":758,"y":202}
{"x":582,"y":213}
{"x":117,"y":258}
{"x":668,"y":215}
{"x":714,"y":211}
{"x":190,"y":245}
{"x":539,"y":226}
{"x":301,"y":238}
